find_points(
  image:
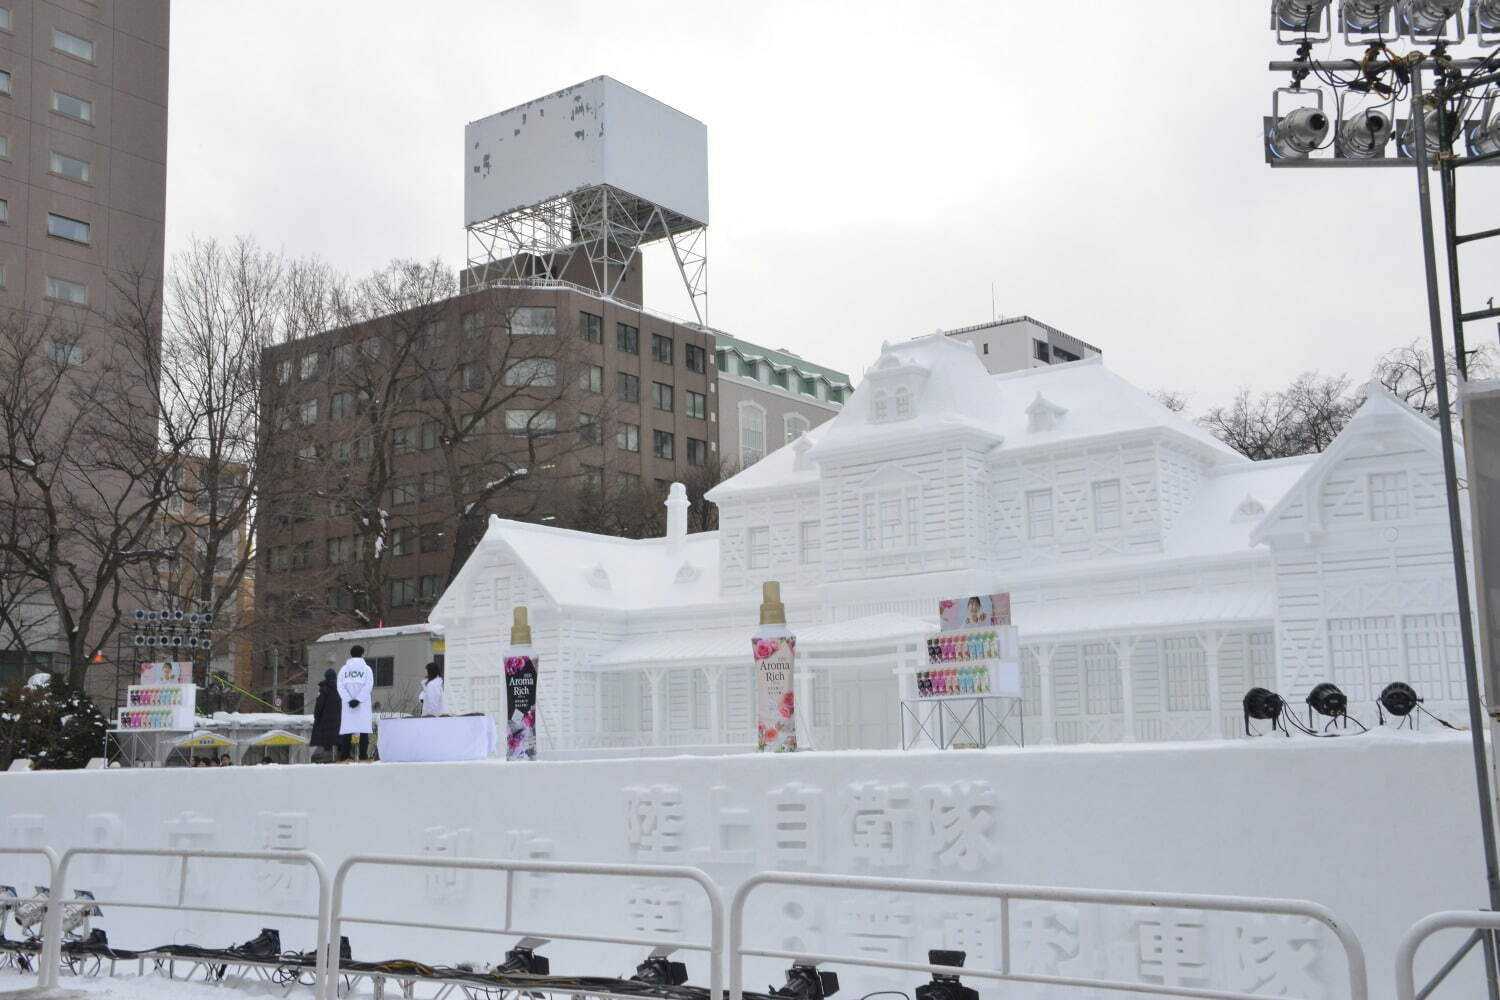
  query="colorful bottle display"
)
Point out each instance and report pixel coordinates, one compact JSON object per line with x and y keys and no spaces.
{"x":158,"y":706}
{"x":959,"y":664}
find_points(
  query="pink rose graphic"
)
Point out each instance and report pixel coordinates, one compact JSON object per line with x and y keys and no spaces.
{"x":787,"y":705}
{"x":515,"y":664}
{"x":766,"y":648}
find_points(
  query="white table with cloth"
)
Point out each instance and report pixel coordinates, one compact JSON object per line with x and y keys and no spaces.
{"x":435,"y":738}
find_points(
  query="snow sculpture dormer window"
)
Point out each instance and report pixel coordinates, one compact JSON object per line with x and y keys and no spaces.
{"x":1249,"y":509}
{"x":1043,"y":414}
{"x":894,"y":386}
{"x":598,"y":577}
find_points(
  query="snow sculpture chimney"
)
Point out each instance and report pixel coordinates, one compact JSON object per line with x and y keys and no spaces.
{"x":677,"y":511}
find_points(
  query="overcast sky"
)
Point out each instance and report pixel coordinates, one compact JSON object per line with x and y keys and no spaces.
{"x":873,"y":167}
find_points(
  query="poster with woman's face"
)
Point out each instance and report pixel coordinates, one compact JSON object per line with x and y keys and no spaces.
{"x":974,"y":612}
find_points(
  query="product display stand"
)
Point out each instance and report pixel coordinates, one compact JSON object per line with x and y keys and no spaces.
{"x":968,"y":694}
{"x":963,"y":721}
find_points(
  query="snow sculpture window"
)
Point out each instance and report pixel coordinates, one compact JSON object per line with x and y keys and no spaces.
{"x":891,"y":520}
{"x":1434,"y":658}
{"x":1187,"y":675}
{"x":752,"y":434}
{"x":1364,"y":654}
{"x":758,"y":548}
{"x":1103,"y":691}
{"x":903,"y":402}
{"x":1039,"y":514}
{"x":1107,"y":505}
{"x":1388,"y":496}
{"x":880,"y":407}
{"x":809,"y":543}
{"x":795,"y":425}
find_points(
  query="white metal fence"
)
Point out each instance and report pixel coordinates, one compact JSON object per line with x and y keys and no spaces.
{"x":1478,"y":921}
{"x":1007,"y":894}
{"x":46,"y":973}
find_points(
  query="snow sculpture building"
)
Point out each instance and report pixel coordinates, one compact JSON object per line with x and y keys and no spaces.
{"x":1155,"y":573}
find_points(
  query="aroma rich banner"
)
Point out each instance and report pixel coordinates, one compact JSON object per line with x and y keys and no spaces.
{"x":776,"y":705}
{"x":520,"y":708}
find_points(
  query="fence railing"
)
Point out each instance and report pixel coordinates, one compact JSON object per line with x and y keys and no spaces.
{"x":714,"y":946}
{"x":1406,"y":952}
{"x":1007,"y":894}
{"x":46,"y":975}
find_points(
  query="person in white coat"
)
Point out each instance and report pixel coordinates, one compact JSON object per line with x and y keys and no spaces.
{"x":432,"y":691}
{"x":355,"y":685}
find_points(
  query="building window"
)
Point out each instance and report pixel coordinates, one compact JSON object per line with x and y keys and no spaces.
{"x":370,"y":347}
{"x":308,"y":367}
{"x":1107,"y":505}
{"x":4,"y":18}
{"x":835,"y":394}
{"x":4,"y":147}
{"x":697,"y":404}
{"x":71,"y":45}
{"x":384,"y":668}
{"x":1039,"y":514}
{"x":4,"y":210}
{"x":986,"y":347}
{"x":65,"y":228}
{"x":432,"y":484}
{"x":697,"y":452}
{"x":531,"y":373}
{"x":472,"y":325}
{"x":283,"y":372}
{"x":661,"y":349}
{"x":60,"y":352}
{"x":471,"y":377}
{"x":341,"y":406}
{"x":592,"y":327}
{"x":627,"y":338}
{"x":1058,"y":354}
{"x":589,"y":429}
{"x":1388,"y":496}
{"x":403,"y":593}
{"x":403,"y":440}
{"x":72,"y":168}
{"x":307,"y":412}
{"x":795,"y":425}
{"x":661,"y":396}
{"x":695,"y":358}
{"x":807,"y":385}
{"x":522,"y":423}
{"x":533,"y":321}
{"x":627,"y":387}
{"x":339,"y":550}
{"x":758,"y":548}
{"x":431,"y":537}
{"x":66,"y":104}
{"x":1040,"y":351}
{"x":628,"y":437}
{"x":403,"y":540}
{"x":752,"y":434}
{"x":429,"y":587}
{"x":429,"y":435}
{"x":343,"y":357}
{"x":63,"y":290}
{"x":4,"y":81}
{"x":809,"y":543}
{"x":663,"y":444}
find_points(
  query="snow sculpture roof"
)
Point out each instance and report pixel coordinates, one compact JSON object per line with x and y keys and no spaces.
{"x":577,"y":568}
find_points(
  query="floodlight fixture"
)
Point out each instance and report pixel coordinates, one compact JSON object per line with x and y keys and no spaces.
{"x":1484,"y":21}
{"x":1438,"y":138}
{"x":1329,"y":701}
{"x":1297,"y":133}
{"x":659,"y":970}
{"x":140,"y":614}
{"x":807,"y":982}
{"x":1367,"y":17}
{"x":77,"y":916}
{"x":1484,"y":137}
{"x":1429,"y":19}
{"x":943,"y":985}
{"x":30,"y":913}
{"x":1364,"y":135}
{"x":207,"y":618}
{"x":140,"y":640}
{"x":1299,"y":21}
{"x":266,"y":945}
{"x":1266,"y":706}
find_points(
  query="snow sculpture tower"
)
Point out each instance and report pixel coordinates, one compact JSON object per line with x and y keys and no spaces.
{"x":570,"y":186}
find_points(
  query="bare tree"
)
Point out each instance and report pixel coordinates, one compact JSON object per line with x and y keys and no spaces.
{"x":1303,"y":418}
{"x":1409,"y":374}
{"x":1171,"y":399}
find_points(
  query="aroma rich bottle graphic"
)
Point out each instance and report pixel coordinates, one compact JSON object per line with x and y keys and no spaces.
{"x":775,"y":650}
{"x":520,"y":691}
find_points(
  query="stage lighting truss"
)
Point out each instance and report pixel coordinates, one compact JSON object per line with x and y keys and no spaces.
{"x":1427,"y":22}
{"x":1364,"y":135}
{"x":173,"y":632}
{"x":1368,"y":22}
{"x":1293,"y":134}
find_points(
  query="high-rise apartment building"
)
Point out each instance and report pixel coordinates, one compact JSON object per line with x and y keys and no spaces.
{"x":83,"y":149}
{"x":1015,"y":343}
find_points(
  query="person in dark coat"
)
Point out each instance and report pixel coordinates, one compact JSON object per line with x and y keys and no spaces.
{"x":327,"y":713}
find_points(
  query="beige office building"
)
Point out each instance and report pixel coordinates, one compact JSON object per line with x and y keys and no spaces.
{"x":769,"y":397}
{"x":1015,"y":343}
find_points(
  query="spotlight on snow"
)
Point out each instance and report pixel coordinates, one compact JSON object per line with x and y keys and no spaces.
{"x":805,"y":982}
{"x":1297,"y":133}
{"x":1266,"y":706}
{"x":1298,"y":15}
{"x":1399,"y":699}
{"x":943,"y":985}
{"x":1329,"y":701}
{"x":659,"y":970}
{"x":1365,"y":135}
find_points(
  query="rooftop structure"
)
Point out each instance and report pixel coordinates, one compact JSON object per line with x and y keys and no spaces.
{"x":1015,"y":342}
